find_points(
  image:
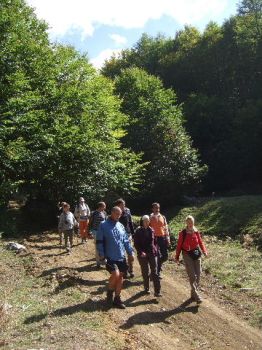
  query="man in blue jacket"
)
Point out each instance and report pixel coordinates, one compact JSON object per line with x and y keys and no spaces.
{"x":112,"y":244}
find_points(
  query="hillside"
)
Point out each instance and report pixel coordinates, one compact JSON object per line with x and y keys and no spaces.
{"x":227,"y":216}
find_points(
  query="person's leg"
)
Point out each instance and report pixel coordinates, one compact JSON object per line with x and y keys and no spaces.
{"x":71,"y":233}
{"x":190,"y":268}
{"x":130,"y":267}
{"x":81,"y":229}
{"x":145,"y":271}
{"x":162,"y":243}
{"x":113,"y":280}
{"x":85,"y":230}
{"x":154,"y":273}
{"x":66,"y":239}
{"x":197,"y":266}
{"x":119,"y":284}
{"x":122,"y":265}
{"x":60,"y":239}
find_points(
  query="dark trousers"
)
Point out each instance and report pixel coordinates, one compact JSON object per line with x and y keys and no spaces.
{"x":150,"y":261}
{"x":68,"y":234}
{"x":163,"y":251}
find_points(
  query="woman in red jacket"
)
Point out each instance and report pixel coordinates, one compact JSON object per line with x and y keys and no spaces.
{"x":190,"y":242}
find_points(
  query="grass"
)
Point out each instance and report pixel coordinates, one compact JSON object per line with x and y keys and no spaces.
{"x":37,"y":316}
{"x":226,"y":224}
{"x":228,"y":216}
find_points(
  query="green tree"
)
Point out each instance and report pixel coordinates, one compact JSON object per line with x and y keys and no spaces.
{"x":61,"y":124}
{"x":155,"y":128}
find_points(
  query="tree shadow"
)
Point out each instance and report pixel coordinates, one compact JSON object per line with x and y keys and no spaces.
{"x":129,"y":283}
{"x":86,"y":268}
{"x":72,"y":281}
{"x":87,"y":306}
{"x":149,"y":317}
{"x":45,"y":247}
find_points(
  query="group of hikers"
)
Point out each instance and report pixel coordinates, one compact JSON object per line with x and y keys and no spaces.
{"x":115,"y":235}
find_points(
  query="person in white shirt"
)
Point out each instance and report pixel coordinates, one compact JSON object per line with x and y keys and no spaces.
{"x":82,"y":213}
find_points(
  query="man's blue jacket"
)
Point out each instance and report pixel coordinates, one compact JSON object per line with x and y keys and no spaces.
{"x":112,"y":240}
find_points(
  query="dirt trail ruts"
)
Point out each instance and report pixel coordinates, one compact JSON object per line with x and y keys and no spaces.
{"x":172,"y":323}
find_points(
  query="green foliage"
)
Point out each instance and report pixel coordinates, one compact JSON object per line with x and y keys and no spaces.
{"x":217,"y":78}
{"x":155,"y":128}
{"x":61,"y":124}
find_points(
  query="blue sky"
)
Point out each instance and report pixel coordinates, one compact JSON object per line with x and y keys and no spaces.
{"x":104,"y":27}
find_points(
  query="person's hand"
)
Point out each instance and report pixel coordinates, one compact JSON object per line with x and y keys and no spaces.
{"x":143,"y":255}
{"x":131,"y":258}
{"x":205,"y":254}
{"x":168,"y":241}
{"x":177,"y":261}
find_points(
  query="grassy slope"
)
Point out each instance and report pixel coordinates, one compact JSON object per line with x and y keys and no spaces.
{"x":225,"y":216}
{"x":230,"y":218}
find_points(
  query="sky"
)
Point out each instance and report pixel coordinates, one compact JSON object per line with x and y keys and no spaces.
{"x":103,"y":27}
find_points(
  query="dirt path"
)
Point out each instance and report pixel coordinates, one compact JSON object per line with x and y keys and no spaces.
{"x":171,"y":323}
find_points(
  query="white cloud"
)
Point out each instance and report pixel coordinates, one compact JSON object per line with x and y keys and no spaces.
{"x":104,"y":55}
{"x":118,"y":39}
{"x":85,"y":14}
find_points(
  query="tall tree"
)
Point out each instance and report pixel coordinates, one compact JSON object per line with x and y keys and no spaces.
{"x":61,"y":124}
{"x":155,"y":129}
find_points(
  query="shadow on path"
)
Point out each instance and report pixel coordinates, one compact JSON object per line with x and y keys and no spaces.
{"x":87,"y":306}
{"x":150,"y":317}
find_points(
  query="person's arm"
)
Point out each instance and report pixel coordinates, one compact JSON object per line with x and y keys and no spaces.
{"x":60,"y":224}
{"x":131,"y":225}
{"x":127,"y":245}
{"x":137,"y":242}
{"x":74,"y":220}
{"x":100,"y":241}
{"x":76,"y":212}
{"x":201,"y":243}
{"x":179,"y":245}
{"x":167,"y":230}
{"x":88,"y":212}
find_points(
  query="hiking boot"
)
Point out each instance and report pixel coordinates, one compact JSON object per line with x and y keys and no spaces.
{"x":118,"y":302}
{"x":109,"y":296}
{"x":199,"y":301}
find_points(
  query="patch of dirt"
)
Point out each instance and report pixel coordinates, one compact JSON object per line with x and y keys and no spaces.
{"x":170,"y":323}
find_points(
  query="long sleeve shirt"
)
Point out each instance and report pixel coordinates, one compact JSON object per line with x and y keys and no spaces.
{"x":127,"y":222}
{"x":112,"y":240}
{"x":190,"y":242}
{"x":67,"y":221}
{"x":96,"y":218}
{"x":82,"y":212}
{"x":144,"y":241}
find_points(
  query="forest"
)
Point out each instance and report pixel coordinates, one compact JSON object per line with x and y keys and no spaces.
{"x":166,"y":118}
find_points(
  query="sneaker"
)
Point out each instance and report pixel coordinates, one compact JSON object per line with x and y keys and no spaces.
{"x":147,"y":291}
{"x":199,"y":301}
{"x":158,"y":295}
{"x":109,"y":296}
{"x":131,"y":275}
{"x":118,"y":302}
